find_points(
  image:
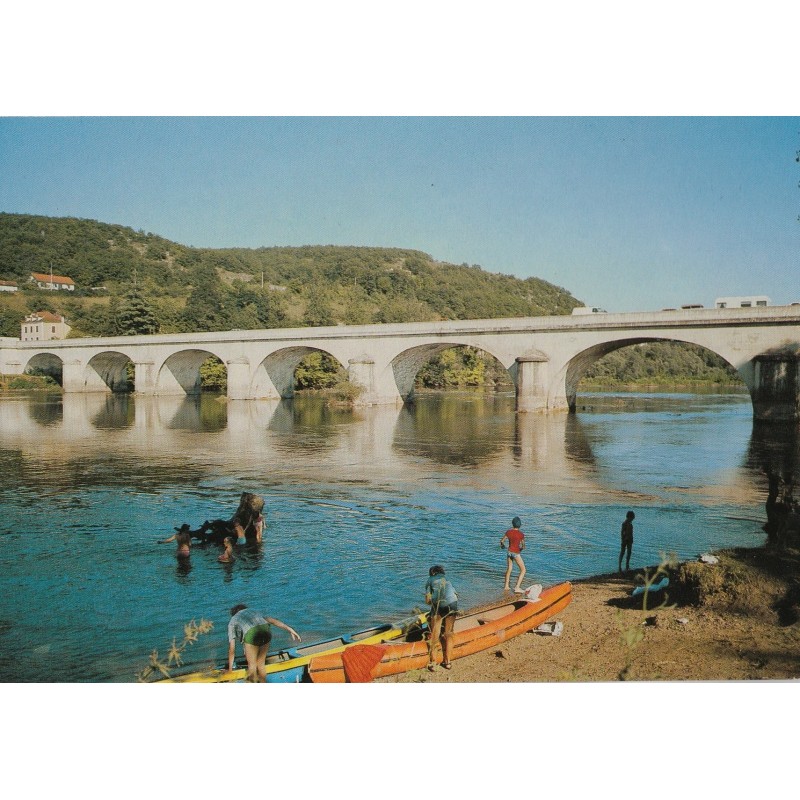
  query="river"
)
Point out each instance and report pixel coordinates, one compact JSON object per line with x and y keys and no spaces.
{"x":359,"y":504}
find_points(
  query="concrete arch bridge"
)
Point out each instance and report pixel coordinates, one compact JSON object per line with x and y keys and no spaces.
{"x":545,"y":356}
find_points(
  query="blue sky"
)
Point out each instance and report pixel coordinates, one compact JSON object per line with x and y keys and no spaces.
{"x":629,"y":213}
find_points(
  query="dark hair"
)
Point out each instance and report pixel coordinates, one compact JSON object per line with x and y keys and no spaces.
{"x":516,"y":522}
{"x":237,"y":609}
{"x":436,"y":569}
{"x":630,"y":515}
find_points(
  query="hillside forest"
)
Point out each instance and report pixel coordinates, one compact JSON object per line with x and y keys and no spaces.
{"x":131,"y":282}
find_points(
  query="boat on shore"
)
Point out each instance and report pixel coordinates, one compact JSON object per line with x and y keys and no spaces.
{"x":475,"y":630}
{"x":289,"y":665}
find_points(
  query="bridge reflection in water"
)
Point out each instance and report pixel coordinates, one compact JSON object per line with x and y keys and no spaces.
{"x":461,"y":431}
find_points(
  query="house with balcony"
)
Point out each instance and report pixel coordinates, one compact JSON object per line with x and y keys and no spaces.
{"x":42,"y":326}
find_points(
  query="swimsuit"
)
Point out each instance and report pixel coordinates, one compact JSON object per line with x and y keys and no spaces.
{"x":258,"y":635}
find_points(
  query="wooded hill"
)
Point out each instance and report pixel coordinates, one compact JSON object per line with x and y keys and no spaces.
{"x":130,"y":282}
{"x":179,"y":288}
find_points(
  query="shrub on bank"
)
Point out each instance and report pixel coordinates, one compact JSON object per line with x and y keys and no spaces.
{"x":27,"y":383}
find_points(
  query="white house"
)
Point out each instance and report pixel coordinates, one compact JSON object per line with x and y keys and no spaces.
{"x":8,"y":286}
{"x":42,"y":326}
{"x":48,"y":281}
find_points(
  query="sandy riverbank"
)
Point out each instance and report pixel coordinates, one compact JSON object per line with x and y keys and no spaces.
{"x":735,"y":620}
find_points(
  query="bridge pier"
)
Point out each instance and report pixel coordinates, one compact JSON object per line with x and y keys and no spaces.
{"x":77,"y":377}
{"x":776,"y":388}
{"x":239,"y":379}
{"x":361,"y":372}
{"x":532,"y":374}
{"x":144,"y":378}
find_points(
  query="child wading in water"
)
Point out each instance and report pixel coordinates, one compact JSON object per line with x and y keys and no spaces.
{"x":184,"y":539}
{"x":516,"y":544}
{"x":227,"y":556}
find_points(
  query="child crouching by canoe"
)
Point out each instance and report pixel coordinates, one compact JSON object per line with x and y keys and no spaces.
{"x":253,"y":631}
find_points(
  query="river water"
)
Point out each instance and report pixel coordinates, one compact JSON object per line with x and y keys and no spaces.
{"x":358,"y":506}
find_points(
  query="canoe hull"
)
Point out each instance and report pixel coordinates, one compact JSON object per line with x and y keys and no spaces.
{"x":290,"y":664}
{"x":474,"y":632}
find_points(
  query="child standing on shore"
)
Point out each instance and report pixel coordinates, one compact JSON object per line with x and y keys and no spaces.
{"x":626,"y":534}
{"x":443,"y":600}
{"x":516,"y":544}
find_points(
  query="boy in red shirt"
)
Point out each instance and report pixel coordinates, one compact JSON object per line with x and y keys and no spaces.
{"x":516,"y":544}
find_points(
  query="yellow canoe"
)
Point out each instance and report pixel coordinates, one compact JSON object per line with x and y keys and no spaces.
{"x":290,"y":664}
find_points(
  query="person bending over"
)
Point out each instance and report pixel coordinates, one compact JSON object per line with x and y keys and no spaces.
{"x":254,"y":632}
{"x":443,"y":600}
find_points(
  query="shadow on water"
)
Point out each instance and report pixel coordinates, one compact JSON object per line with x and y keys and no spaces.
{"x":309,"y":421}
{"x":775,"y":450}
{"x":227,"y":571}
{"x":251,"y":555}
{"x":773,"y":458}
{"x":46,"y":409}
{"x":182,"y":569}
{"x":577,"y":445}
{"x":464,"y":429}
{"x":118,"y":411}
{"x":204,"y":412}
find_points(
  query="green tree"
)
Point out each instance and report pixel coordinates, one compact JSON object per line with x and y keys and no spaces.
{"x":136,"y":315}
{"x":10,"y":322}
{"x":208,"y":307}
{"x":318,"y":310}
{"x":213,"y":375}
{"x":317,"y":371}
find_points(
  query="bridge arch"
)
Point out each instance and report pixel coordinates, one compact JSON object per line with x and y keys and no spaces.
{"x":405,"y":366}
{"x":46,"y":364}
{"x":580,"y":363}
{"x":274,"y":377}
{"x":180,"y":372}
{"x":112,"y":369}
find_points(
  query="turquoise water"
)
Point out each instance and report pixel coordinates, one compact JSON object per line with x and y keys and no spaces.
{"x":358,"y":506}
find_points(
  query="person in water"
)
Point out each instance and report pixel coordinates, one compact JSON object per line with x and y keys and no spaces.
{"x":227,"y":556}
{"x":443,"y":600}
{"x":626,"y":535}
{"x":254,"y":632}
{"x":183,"y":537}
{"x":516,"y":544}
{"x":248,"y":521}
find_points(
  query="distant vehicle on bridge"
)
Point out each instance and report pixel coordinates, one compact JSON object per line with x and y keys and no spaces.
{"x":742,"y":302}
{"x":587,"y":310}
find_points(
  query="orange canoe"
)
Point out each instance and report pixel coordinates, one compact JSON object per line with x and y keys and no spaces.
{"x":474,"y":631}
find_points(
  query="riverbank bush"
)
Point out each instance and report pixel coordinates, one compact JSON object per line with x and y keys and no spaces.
{"x":342,"y":394}
{"x":27,"y":383}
